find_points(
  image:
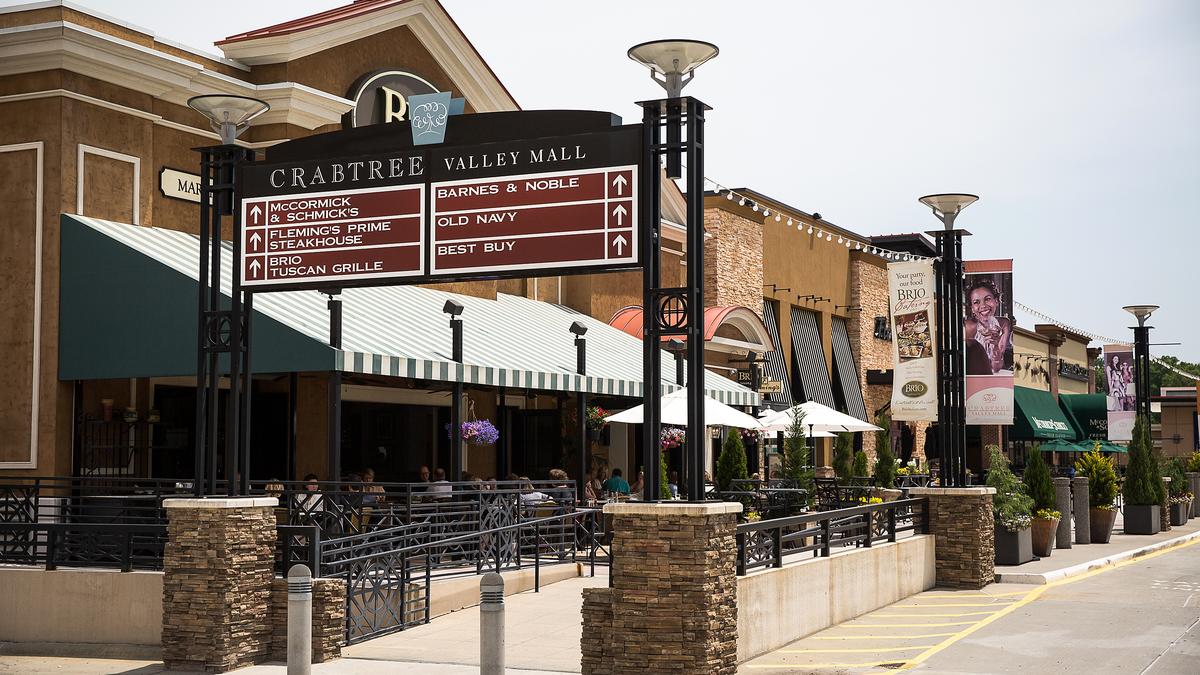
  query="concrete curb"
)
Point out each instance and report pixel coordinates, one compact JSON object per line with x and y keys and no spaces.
{"x":1085,"y":567}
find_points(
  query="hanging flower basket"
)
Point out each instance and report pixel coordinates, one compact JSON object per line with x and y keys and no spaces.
{"x":672,"y":437}
{"x":597,"y":418}
{"x":477,"y":432}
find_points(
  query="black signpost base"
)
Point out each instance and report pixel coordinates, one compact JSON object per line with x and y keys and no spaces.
{"x":952,"y":422}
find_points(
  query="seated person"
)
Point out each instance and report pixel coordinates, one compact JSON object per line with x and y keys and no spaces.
{"x":440,"y":488}
{"x":616,"y":483}
{"x":529,"y":495}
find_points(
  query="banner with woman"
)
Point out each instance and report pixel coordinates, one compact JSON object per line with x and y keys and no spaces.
{"x":1122,"y":391}
{"x":988,"y":335}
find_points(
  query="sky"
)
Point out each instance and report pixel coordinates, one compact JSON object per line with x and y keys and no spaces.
{"x":1077,"y":123}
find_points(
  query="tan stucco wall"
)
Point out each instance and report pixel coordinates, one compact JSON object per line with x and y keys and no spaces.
{"x":81,"y":606}
{"x":1029,"y":344}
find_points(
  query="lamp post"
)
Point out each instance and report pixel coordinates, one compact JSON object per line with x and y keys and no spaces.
{"x":952,"y":423}
{"x":578,"y":329}
{"x":673,"y":311}
{"x":220,"y":331}
{"x":1141,"y":348}
{"x":455,"y":310}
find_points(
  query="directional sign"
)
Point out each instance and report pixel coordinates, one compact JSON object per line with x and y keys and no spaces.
{"x":337,"y":237}
{"x":535,"y":221}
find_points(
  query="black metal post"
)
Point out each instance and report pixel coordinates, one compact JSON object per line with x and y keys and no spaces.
{"x":651,"y":217}
{"x":581,"y":411}
{"x":456,"y":444}
{"x":334,"y":427}
{"x":293,"y":392}
{"x":952,"y":437}
{"x":505,"y":446}
{"x":1141,"y":347}
{"x":696,"y":432}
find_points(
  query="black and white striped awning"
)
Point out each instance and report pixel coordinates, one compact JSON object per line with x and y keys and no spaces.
{"x":845,"y":372}
{"x":809,"y":358}
{"x":774,"y":366}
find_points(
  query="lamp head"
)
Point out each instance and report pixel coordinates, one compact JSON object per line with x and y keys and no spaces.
{"x":453,"y":308}
{"x":228,"y":115}
{"x":578,"y":328}
{"x":677,"y":346}
{"x":1141,"y":312}
{"x":949,"y":204}
{"x":673,"y":60}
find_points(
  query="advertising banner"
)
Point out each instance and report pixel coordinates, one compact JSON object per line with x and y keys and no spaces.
{"x":987,"y":331}
{"x":914,"y":357}
{"x":1122,"y":391}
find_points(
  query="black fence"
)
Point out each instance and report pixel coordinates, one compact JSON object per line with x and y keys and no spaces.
{"x":765,"y":543}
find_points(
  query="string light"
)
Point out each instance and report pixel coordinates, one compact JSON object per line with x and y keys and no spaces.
{"x":810,"y":229}
{"x":789,"y":222}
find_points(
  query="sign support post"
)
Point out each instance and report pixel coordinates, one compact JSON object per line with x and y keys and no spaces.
{"x":952,"y":422}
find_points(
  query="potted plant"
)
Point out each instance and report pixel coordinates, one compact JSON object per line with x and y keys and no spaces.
{"x":1011,"y":508}
{"x":1142,"y":484}
{"x":1180,"y":496}
{"x":1040,"y":487}
{"x":597,"y":419}
{"x":1102,"y":493}
{"x":843,"y":455}
{"x":885,"y":461}
{"x":859,"y":467}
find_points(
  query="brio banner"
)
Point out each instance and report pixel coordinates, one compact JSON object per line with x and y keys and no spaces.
{"x":914,"y":355}
{"x":988,"y":336}
{"x":1122,"y":391}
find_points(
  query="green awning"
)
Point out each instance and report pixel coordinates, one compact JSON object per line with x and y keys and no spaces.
{"x":1059,"y":445}
{"x":1038,"y":417}
{"x":1088,"y":414}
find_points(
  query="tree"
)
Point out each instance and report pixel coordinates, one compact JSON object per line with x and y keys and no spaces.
{"x":1175,"y":470}
{"x":859,"y":468}
{"x":885,"y":461}
{"x":731,"y":464}
{"x":664,"y":481}
{"x":1143,"y":481}
{"x":1102,"y":478}
{"x":795,"y":454}
{"x":843,"y":455}
{"x":1038,"y":483}
{"x":1011,"y":506}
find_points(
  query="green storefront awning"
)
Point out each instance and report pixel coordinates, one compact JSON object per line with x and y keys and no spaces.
{"x":1037,"y":417}
{"x":1059,"y":445}
{"x":1088,"y":414}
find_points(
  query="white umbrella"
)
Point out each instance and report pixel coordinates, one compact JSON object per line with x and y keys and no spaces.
{"x":673,"y":410}
{"x":817,"y":417}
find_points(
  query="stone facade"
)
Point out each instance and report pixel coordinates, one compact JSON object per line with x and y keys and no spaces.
{"x":733,"y":260}
{"x":964,"y":535}
{"x":328,"y":615}
{"x":218,"y":569}
{"x":672,"y":607}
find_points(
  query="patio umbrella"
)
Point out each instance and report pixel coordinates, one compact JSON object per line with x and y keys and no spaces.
{"x":817,"y":417}
{"x":673,"y":410}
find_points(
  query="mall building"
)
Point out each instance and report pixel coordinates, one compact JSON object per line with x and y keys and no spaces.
{"x":100,"y":260}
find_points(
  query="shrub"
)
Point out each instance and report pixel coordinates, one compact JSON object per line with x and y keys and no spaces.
{"x":859,"y":468}
{"x":1179,"y":483}
{"x":1102,"y":478}
{"x":731,"y":464}
{"x":885,"y":461}
{"x":843,"y":455}
{"x":1038,"y":483}
{"x":1193,"y":464}
{"x":1143,"y":481}
{"x":1011,"y":506}
{"x":795,"y":464}
{"x":664,"y":480}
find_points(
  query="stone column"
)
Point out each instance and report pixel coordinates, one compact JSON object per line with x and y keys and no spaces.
{"x":1062,"y":504}
{"x":1194,"y":480}
{"x":1165,"y":507}
{"x":218,"y":567}
{"x":964,"y":535}
{"x":672,"y":607}
{"x":1083,"y":518}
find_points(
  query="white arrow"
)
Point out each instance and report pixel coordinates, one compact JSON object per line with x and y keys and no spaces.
{"x":254,"y":265}
{"x":255,"y":213}
{"x":620,"y":243}
{"x":619,"y":183}
{"x":254,"y":239}
{"x":620,"y":212}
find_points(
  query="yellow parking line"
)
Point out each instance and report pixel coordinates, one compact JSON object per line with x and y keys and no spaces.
{"x":973,"y":595}
{"x":940,"y":615}
{"x":905,"y":625}
{"x":883,"y":637}
{"x":814,"y":666}
{"x":867,"y":650}
{"x":957,"y":604}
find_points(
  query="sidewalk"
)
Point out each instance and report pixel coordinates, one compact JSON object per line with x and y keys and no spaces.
{"x":1081,"y":558}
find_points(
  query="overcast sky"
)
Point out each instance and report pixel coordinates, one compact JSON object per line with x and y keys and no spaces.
{"x":1077,"y":123}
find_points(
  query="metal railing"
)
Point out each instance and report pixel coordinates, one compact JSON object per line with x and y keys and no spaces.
{"x":765,"y":543}
{"x":125,"y":546}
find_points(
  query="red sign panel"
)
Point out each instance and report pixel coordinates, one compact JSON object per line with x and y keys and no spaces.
{"x":369,"y":233}
{"x":536,"y":221}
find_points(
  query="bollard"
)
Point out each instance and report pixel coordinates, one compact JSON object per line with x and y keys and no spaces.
{"x":1083,"y":518}
{"x":299,"y":621}
{"x":491,"y":624}
{"x":1062,"y":503}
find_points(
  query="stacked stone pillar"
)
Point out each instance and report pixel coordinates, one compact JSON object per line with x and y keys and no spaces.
{"x":1083,"y":517}
{"x":1194,"y":480}
{"x":672,"y":607}
{"x":961,"y":521}
{"x":1062,"y":504}
{"x":218,"y":569}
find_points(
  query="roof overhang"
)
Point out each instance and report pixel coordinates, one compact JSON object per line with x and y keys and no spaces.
{"x":755,"y":336}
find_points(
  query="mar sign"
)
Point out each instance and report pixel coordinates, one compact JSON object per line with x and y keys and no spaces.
{"x":456,"y":211}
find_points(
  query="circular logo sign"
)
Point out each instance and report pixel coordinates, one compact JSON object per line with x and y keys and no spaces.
{"x":914,"y":389}
{"x":382,"y":96}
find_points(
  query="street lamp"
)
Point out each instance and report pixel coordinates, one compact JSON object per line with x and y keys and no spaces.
{"x":579,"y":329}
{"x":670,"y":61}
{"x":220,"y":331}
{"x":952,"y":421}
{"x":455,"y":309}
{"x":1141,"y":346}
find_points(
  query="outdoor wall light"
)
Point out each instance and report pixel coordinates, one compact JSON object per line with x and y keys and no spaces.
{"x":228,"y":115}
{"x":578,"y":329}
{"x":1141,"y":312}
{"x":947,"y":206}
{"x":453,"y":308}
{"x":672,"y":62}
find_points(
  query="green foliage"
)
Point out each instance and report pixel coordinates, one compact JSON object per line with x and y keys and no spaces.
{"x":843,"y":455}
{"x":859,"y":467}
{"x":1179,"y":483}
{"x":885,"y":461}
{"x":1038,"y":483}
{"x":1101,"y":475}
{"x":664,"y":481}
{"x":1193,"y":464}
{"x":1011,"y":506}
{"x":732,"y":462}
{"x":1143,"y":480}
{"x":795,"y":464}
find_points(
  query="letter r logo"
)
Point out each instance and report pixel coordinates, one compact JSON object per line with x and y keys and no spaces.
{"x":392,"y":105}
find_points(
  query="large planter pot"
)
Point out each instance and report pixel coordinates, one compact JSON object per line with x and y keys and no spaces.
{"x":1043,"y":531}
{"x":1142,"y":518}
{"x":1013,"y":548}
{"x":1179,"y":513}
{"x":1101,"y":524}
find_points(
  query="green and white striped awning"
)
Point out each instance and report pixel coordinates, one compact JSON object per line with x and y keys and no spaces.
{"x":400,"y":331}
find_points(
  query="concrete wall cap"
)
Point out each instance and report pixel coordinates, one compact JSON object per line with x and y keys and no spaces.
{"x":951,"y":492}
{"x":220,"y":503}
{"x":671,"y":509}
